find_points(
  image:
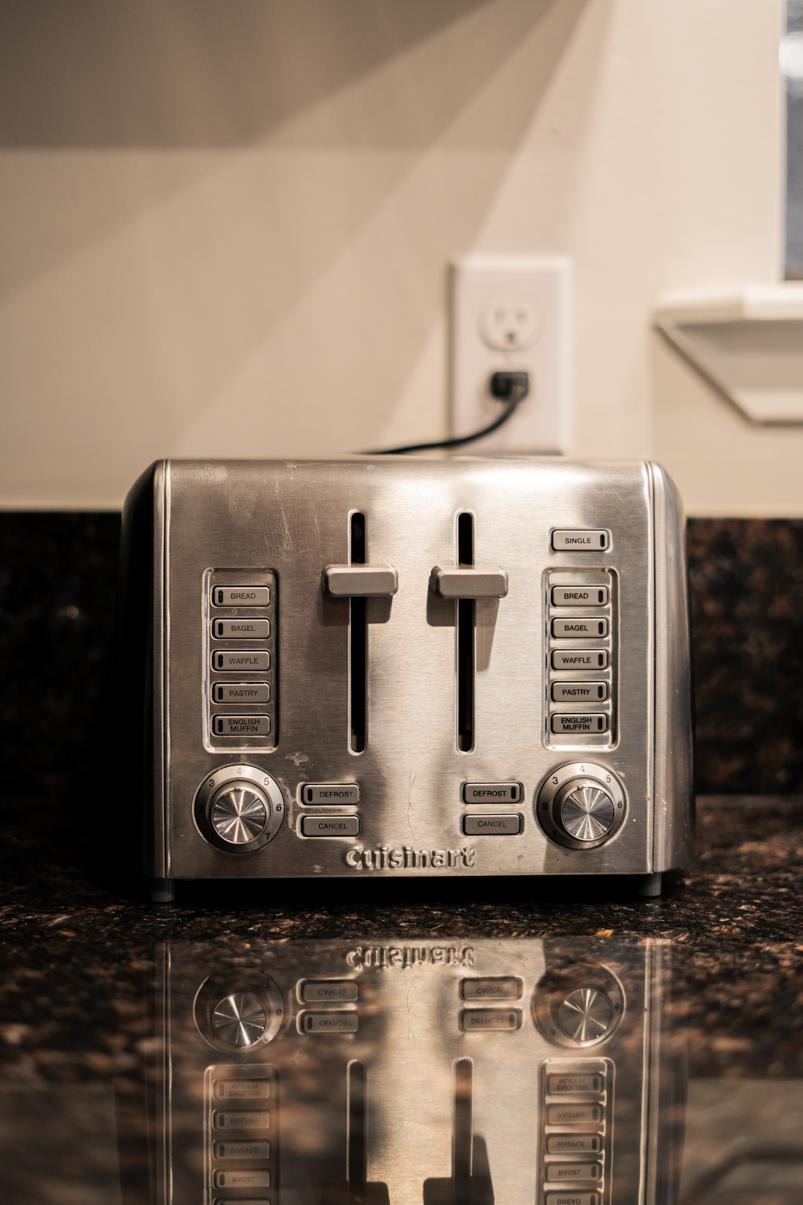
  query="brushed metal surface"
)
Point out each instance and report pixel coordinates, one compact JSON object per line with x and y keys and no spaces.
{"x":294,"y":517}
{"x":403,"y":1030}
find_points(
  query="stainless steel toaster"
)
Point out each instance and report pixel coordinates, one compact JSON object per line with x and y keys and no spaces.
{"x":401,"y":1070}
{"x":393,"y":667}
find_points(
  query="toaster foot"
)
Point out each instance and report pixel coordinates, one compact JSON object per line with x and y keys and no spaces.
{"x":163,"y":891}
{"x":650,"y":885}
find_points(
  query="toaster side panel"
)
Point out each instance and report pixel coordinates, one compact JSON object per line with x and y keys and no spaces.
{"x":674,"y":780}
{"x":141,"y":644}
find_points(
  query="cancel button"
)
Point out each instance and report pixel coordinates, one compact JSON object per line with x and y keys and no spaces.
{"x":491,"y":826}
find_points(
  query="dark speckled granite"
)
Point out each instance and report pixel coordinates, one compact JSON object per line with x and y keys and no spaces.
{"x":746,"y":579}
{"x":57,"y":591}
{"x":80,"y":1037}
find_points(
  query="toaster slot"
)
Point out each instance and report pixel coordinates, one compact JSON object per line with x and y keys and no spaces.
{"x":466,"y":624}
{"x":358,"y":642}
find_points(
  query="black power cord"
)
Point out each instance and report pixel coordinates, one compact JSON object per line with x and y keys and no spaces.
{"x":509,"y":387}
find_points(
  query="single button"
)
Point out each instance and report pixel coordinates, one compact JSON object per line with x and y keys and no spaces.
{"x":491,"y":826}
{"x":495,"y":1019}
{"x":574,"y":1171}
{"x":579,"y":629}
{"x":242,"y":1089}
{"x":326,"y":792}
{"x":569,"y":1115}
{"x":573,"y":1144}
{"x":241,"y":1149}
{"x":241,"y":629}
{"x":491,"y":792}
{"x":241,"y":692}
{"x":241,"y":725}
{"x":330,"y":826}
{"x":579,"y":659}
{"x":579,"y":596}
{"x":329,"y":991}
{"x":580,"y":725}
{"x":567,"y":1198}
{"x":250,"y":662}
{"x":579,"y":692}
{"x":329,"y":1022}
{"x":580,"y":540}
{"x":244,"y":1119}
{"x":505,"y":987}
{"x":241,"y":596}
{"x":241,"y":1179}
{"x":575,"y":1082}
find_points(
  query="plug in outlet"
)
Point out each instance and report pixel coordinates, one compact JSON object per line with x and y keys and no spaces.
{"x":511,"y":312}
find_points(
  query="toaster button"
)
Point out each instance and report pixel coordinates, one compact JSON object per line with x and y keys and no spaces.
{"x":580,"y":724}
{"x":505,"y":987}
{"x":584,"y":540}
{"x":569,"y":1198}
{"x":579,"y":596}
{"x":573,"y":1144}
{"x":579,"y":692}
{"x":242,"y":1089}
{"x":242,"y":1179}
{"x":329,"y":991}
{"x":332,"y":1022}
{"x":491,"y":792}
{"x":561,"y":1115}
{"x":579,"y":659}
{"x":241,"y":725}
{"x":241,"y":629}
{"x":243,"y":1119}
{"x":576,"y":1081}
{"x":244,"y":662}
{"x":573,"y":1171}
{"x":241,"y":692}
{"x":330,"y":826}
{"x":491,"y":826}
{"x":496,"y":1019}
{"x":241,"y":1148}
{"x":241,"y":596}
{"x":579,"y":629}
{"x":330,"y":792}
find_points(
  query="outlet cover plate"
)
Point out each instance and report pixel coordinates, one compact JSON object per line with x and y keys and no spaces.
{"x":511,"y":312}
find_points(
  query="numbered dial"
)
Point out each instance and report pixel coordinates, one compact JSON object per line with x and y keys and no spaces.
{"x":581,"y":805}
{"x":578,"y":1005}
{"x":239,"y":1015}
{"x":240,"y":1019}
{"x":239,"y":808}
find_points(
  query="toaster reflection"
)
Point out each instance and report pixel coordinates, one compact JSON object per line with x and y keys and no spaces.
{"x":416,"y":1071}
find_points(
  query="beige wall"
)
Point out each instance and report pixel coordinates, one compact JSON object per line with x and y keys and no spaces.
{"x":225,"y":226}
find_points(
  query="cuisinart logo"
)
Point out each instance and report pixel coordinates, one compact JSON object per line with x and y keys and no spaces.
{"x":404,"y":857}
{"x":404,"y":957}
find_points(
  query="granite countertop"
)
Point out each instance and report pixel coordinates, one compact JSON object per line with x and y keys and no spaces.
{"x":99,"y":1010}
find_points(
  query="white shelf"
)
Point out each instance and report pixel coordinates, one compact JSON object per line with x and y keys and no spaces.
{"x":747,"y":342}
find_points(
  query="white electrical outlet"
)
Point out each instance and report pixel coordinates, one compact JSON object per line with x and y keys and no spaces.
{"x":511,"y":312}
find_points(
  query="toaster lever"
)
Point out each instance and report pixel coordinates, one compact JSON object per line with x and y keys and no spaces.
{"x":470,"y":581}
{"x":360,"y":581}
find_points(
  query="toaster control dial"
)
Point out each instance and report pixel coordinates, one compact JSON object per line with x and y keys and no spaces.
{"x":239,"y":808}
{"x":581,"y":805}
